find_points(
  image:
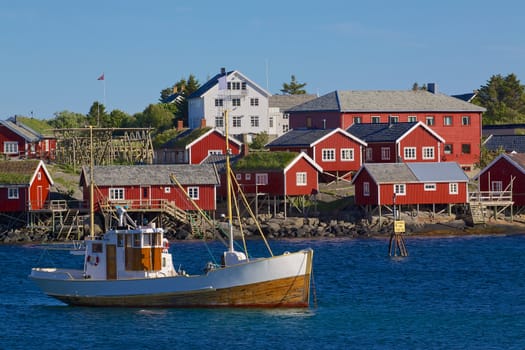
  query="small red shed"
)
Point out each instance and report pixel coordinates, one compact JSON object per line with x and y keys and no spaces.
{"x":411,"y":184}
{"x":194,"y":145}
{"x":505,"y":173}
{"x":24,"y":185}
{"x":150,"y":186}
{"x":336,"y":151}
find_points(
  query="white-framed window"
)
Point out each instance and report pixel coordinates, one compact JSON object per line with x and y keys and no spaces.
{"x":261,"y":179}
{"x":428,"y":152}
{"x":409,"y":153}
{"x":167,"y":189}
{"x":430,"y":187}
{"x":447,"y":149}
{"x":219,"y":102}
{"x":286,"y":127}
{"x":270,"y":122}
{"x":430,"y":120}
{"x":393,"y":119}
{"x":116,"y":194}
{"x":254,"y":121}
{"x":369,"y":152}
{"x":219,"y":121}
{"x":10,"y":147}
{"x":496,"y":186}
{"x":236,"y":121}
{"x":39,"y":176}
{"x":347,"y":154}
{"x":357,"y":120}
{"x":254,"y":102}
{"x":399,"y":189}
{"x":300,"y":179}
{"x":214,"y":151}
{"x":193,"y":192}
{"x":328,"y":154}
{"x":412,"y":119}
{"x":447,"y":120}
{"x":453,"y":188}
{"x":385,"y":153}
{"x":236,"y":102}
{"x":286,"y":115}
{"x":465,"y":120}
{"x":366,"y":189}
{"x":13,"y":193}
{"x":375,"y":119}
{"x":247,"y":176}
{"x":234,"y":85}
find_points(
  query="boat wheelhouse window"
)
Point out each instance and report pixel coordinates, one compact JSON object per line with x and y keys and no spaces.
{"x":136,"y":240}
{"x":96,"y":247}
{"x":147,"y":239}
{"x":120,"y":240}
{"x":157,"y":239}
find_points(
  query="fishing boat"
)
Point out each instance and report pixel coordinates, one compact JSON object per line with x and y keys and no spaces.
{"x":131,"y":266}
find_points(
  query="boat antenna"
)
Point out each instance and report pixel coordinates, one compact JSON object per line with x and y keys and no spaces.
{"x":91,"y":186}
{"x":228,"y":182}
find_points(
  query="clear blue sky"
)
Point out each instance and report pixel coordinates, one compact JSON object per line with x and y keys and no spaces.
{"x":52,"y":52}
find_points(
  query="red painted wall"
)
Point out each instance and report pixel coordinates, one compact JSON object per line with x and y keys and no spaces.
{"x":420,"y":138}
{"x":312,"y":179}
{"x":504,"y":171}
{"x":456,"y":134}
{"x":39,"y":190}
{"x":214,"y":141}
{"x":338,"y":142}
{"x":7,"y":135}
{"x":133,"y":197}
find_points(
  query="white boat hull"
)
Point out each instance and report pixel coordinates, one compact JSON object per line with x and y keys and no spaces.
{"x":279,"y":281}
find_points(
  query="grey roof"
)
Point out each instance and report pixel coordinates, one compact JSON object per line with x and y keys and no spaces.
{"x":508,"y":143}
{"x":438,"y":172}
{"x":390,"y":172}
{"x":26,"y":133}
{"x":208,"y":85}
{"x":380,"y":132}
{"x":386,"y":101}
{"x":157,"y":174}
{"x":299,"y":137}
{"x":415,"y":172}
{"x":285,"y":102}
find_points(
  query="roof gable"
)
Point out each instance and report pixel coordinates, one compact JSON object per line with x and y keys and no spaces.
{"x":25,"y":133}
{"x":304,"y":156}
{"x":381,"y":132}
{"x":214,"y":81}
{"x":517,"y":160}
{"x":21,"y":172}
{"x":214,"y":130}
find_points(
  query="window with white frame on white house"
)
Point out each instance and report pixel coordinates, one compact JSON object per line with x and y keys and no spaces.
{"x":254,"y":102}
{"x":236,"y":121}
{"x":219,"y":121}
{"x":254,"y":121}
{"x":347,"y":154}
{"x":328,"y":154}
{"x":219,"y":102}
{"x":301,"y":179}
{"x":236,"y":102}
{"x":409,"y":153}
{"x":428,"y":152}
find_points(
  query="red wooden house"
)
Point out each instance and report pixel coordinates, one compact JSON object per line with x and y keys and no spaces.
{"x":457,"y":121}
{"x":20,"y":141}
{"x":399,"y":142}
{"x":506,"y":173}
{"x":24,"y":185}
{"x":336,"y":151}
{"x":150,"y":187}
{"x":410,"y":184}
{"x":194,"y":145}
{"x":278,"y":174}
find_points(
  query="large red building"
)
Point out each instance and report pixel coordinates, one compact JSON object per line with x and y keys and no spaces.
{"x":19,"y":141}
{"x":150,"y":186}
{"x":456,"y":121}
{"x":410,"y":184}
{"x":24,"y":185}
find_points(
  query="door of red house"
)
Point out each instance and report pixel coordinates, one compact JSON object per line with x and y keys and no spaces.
{"x":145,"y":193}
{"x":39,"y":199}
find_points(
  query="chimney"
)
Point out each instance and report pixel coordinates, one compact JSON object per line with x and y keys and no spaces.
{"x":203,"y":123}
{"x":432,"y":87}
{"x":180,"y":125}
{"x":223,"y":71}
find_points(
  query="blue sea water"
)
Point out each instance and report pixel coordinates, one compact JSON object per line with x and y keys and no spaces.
{"x":450,"y":293}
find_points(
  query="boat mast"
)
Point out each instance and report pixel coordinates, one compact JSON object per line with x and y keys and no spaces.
{"x":228,"y":182}
{"x":91,"y":186}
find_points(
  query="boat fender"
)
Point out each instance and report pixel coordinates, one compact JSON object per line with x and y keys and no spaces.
{"x":166,"y":245}
{"x":95,"y":262}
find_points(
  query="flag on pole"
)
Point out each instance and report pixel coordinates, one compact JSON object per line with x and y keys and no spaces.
{"x":101,"y":77}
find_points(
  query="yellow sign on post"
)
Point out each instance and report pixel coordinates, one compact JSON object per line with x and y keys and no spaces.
{"x":399,"y":226}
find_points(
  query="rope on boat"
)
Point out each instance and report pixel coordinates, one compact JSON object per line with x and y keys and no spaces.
{"x":313,"y":289}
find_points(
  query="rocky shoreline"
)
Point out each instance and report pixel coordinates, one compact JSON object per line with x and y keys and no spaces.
{"x":280,"y":227}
